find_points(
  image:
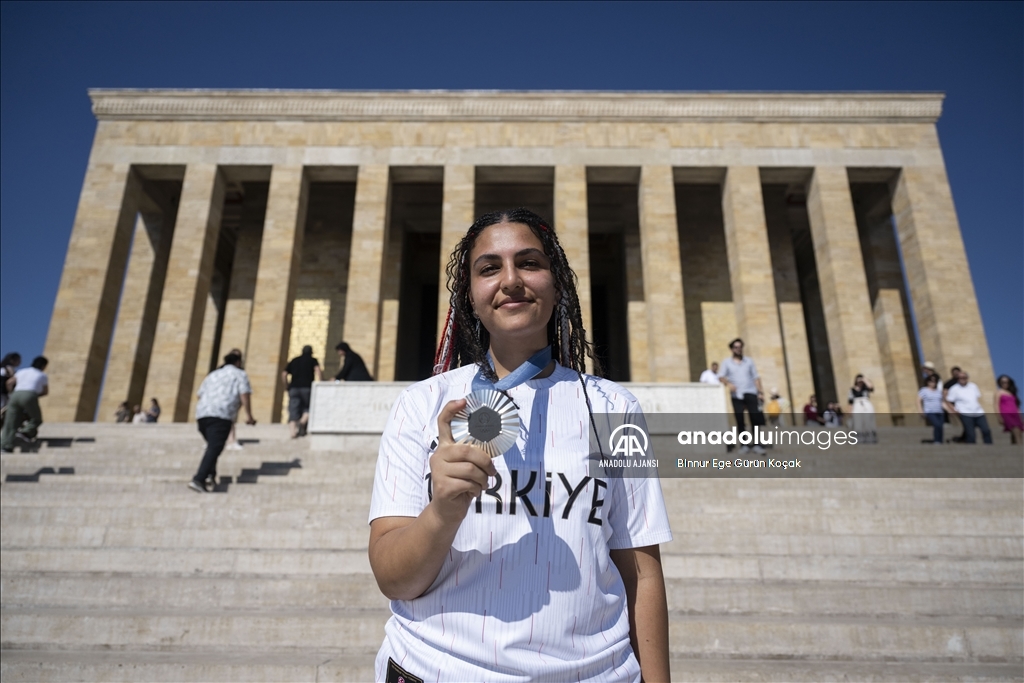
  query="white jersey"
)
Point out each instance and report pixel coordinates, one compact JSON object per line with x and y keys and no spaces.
{"x":529,"y":591}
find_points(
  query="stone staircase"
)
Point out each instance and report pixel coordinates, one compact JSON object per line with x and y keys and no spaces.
{"x":118,"y":572}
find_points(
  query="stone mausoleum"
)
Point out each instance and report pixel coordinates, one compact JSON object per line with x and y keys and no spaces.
{"x":811,"y":225}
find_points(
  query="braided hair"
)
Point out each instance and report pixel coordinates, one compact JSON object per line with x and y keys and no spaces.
{"x":464,"y":340}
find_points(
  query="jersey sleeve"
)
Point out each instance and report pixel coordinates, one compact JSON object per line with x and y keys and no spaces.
{"x":637,"y":514}
{"x":399,"y":486}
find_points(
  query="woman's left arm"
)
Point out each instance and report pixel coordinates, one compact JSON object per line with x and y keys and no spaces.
{"x":641,"y":573}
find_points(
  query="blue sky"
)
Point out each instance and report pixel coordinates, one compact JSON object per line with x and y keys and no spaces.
{"x":50,"y":53}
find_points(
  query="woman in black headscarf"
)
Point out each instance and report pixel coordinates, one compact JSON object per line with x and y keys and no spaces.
{"x":353,"y":369}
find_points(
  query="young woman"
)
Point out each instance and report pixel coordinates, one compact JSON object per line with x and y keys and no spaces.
{"x":863,"y":409}
{"x":523,"y":567}
{"x":929,"y":404}
{"x":1008,"y":408}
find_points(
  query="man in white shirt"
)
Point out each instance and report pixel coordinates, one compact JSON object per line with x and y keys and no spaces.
{"x":23,"y":414}
{"x":220,"y":395}
{"x":964,"y":399}
{"x":740,"y":375}
{"x":710,"y":376}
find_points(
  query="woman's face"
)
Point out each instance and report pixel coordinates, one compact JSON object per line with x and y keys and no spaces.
{"x":511,"y":285}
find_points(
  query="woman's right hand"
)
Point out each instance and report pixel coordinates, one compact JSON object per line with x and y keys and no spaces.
{"x":458,"y":472}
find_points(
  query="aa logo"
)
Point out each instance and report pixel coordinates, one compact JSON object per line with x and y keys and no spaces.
{"x":628,"y":440}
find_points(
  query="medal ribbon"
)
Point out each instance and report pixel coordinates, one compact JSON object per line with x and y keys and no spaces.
{"x":533,"y":366}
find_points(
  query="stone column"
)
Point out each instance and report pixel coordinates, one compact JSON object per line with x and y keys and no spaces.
{"x":238,"y":307}
{"x":204,"y":356}
{"x":572,"y":225}
{"x":274,"y":295}
{"x":83,"y":313}
{"x":457,"y":214}
{"x":751,"y":275}
{"x":183,"y":304}
{"x":798,"y":358}
{"x":636,"y":310}
{"x":132,"y":345}
{"x":668,"y":359}
{"x":946,"y":307}
{"x":718,"y":320}
{"x":390,"y":304}
{"x":369,"y":238}
{"x":853,"y":343}
{"x":894,"y":345}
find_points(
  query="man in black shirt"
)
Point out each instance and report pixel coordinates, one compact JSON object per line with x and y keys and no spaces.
{"x":954,"y":378}
{"x":352,"y":369}
{"x":303,"y":369}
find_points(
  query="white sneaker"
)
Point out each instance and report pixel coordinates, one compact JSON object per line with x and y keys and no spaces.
{"x":759,"y":450}
{"x":234,"y":447}
{"x":744,"y":449}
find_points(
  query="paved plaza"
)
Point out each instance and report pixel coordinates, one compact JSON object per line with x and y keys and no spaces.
{"x":113,"y":570}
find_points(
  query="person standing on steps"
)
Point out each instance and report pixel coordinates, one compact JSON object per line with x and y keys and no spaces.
{"x":153,"y":414}
{"x":303,"y":370}
{"x":1008,"y":408}
{"x":515,"y":579}
{"x":352,"y":368}
{"x":929,"y":404}
{"x":710,"y":376}
{"x":220,"y":395}
{"x":859,"y":399}
{"x":964,"y":399}
{"x":744,"y":383}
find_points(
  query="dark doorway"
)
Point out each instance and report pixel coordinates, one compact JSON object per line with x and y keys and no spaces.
{"x":416,"y":214}
{"x":614,"y":225}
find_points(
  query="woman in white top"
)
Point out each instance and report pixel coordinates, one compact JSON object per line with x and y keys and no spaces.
{"x":523,"y":567}
{"x":863,"y":409}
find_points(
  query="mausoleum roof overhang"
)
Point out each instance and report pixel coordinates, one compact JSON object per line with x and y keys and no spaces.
{"x":495,"y":105}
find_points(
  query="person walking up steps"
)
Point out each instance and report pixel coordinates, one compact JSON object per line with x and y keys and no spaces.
{"x":23,"y":415}
{"x":220,"y":395}
{"x":233,"y":443}
{"x":303,"y":370}
{"x":8,"y":367}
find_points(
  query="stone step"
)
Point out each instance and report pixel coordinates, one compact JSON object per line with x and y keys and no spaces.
{"x":188,"y":560}
{"x":359,"y":485}
{"x":200,"y":628}
{"x":190,"y":510}
{"x":36,"y":525}
{"x":286,"y":667}
{"x":869,"y":638}
{"x":979,"y":522}
{"x":946,"y":638}
{"x":186,"y":666}
{"x":57,"y":489}
{"x":233,"y":591}
{"x":834,"y":522}
{"x":327,"y":560}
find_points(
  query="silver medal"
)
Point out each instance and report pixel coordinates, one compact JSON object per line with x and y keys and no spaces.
{"x":489,"y":421}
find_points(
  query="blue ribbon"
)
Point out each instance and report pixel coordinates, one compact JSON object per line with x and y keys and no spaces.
{"x":533,"y":366}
